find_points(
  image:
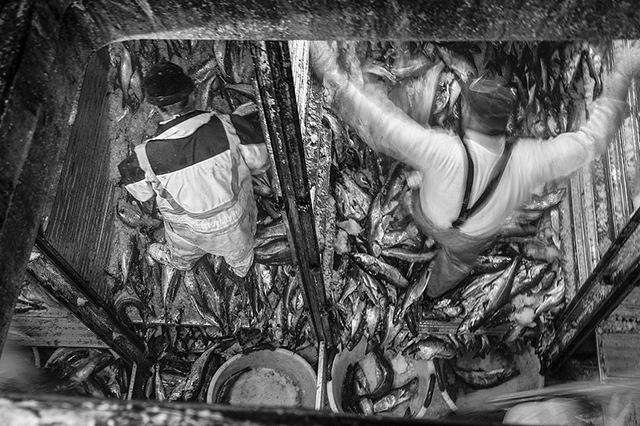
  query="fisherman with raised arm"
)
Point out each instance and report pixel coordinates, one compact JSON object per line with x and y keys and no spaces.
{"x":471,"y":182}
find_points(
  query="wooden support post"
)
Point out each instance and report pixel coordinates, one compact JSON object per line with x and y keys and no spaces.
{"x":49,"y":410}
{"x":277,"y":95}
{"x":59,"y":279}
{"x":607,"y":286}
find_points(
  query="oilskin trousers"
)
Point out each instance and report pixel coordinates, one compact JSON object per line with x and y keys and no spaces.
{"x":457,"y":255}
{"x":234,"y":243}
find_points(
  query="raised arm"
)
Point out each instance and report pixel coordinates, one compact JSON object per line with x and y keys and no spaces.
{"x":382,"y":125}
{"x":572,"y":150}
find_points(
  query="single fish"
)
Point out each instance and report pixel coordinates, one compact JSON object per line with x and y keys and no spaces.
{"x":209,"y":358}
{"x":195,"y":291}
{"x":220,"y":53}
{"x":170,"y":283}
{"x":351,"y":283}
{"x":273,"y":231}
{"x":134,"y":218}
{"x":414,"y":292}
{"x":409,"y":255}
{"x":429,"y":348}
{"x":385,"y":374}
{"x":245,"y":90}
{"x":93,"y":364}
{"x":358,"y":324}
{"x":247,"y":108}
{"x":375,"y":226}
{"x":275,"y":252}
{"x":407,"y":235}
{"x":529,"y":275}
{"x":62,"y":357}
{"x":553,"y":298}
{"x":480,"y":379}
{"x":126,"y":71}
{"x":396,"y":396}
{"x":381,"y":269}
{"x":204,"y":70}
{"x":352,"y":201}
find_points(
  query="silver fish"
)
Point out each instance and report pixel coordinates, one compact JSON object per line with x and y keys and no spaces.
{"x":195,"y":377}
{"x":375,"y":226}
{"x":396,"y":396}
{"x":414,"y":292}
{"x":198,"y":300}
{"x":430,"y":347}
{"x":486,"y":379}
{"x":273,"y":231}
{"x":381,"y":269}
{"x":409,"y":255}
{"x":275,"y":252}
{"x":494,"y":299}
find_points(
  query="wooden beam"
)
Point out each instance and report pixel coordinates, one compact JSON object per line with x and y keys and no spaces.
{"x":278,"y":99}
{"x":64,"y":284}
{"x":49,"y":410}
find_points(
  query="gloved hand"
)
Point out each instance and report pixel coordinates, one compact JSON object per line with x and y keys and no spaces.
{"x":324,"y":60}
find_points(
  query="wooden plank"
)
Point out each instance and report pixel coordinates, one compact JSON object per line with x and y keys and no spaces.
{"x":61,"y":281}
{"x":279,"y":105}
{"x":619,"y":355}
{"x":52,"y":331}
{"x":40,"y":320}
{"x":80,"y":225}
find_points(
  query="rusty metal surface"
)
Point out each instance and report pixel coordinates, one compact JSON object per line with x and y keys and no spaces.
{"x":607,"y":286}
{"x":108,"y":20}
{"x":277,"y":94}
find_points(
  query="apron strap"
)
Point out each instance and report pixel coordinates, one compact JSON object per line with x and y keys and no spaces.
{"x":498,"y":170}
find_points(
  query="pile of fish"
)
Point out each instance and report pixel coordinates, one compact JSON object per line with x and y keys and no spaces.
{"x":359,"y":396}
{"x":88,"y":372}
{"x":381,"y":258}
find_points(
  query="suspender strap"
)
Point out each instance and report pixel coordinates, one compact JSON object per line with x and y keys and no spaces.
{"x":467,"y":189}
{"x":466,"y":213}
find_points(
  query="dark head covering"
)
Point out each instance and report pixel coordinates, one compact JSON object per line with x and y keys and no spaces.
{"x":166,"y":83}
{"x":492,"y":100}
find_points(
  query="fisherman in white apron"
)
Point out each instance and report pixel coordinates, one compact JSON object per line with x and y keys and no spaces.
{"x":199,"y":168}
{"x":471,"y":183}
